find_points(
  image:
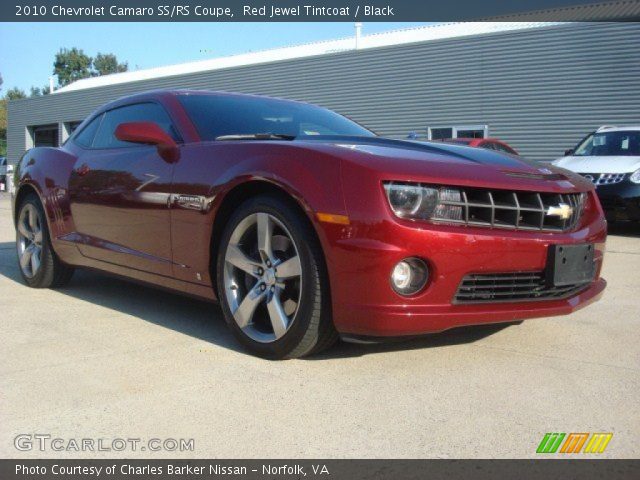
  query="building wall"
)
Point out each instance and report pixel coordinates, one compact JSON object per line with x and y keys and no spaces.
{"x":540,"y":90}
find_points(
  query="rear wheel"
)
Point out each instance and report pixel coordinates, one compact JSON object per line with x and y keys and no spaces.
{"x":271,"y":281}
{"x":39,"y":265}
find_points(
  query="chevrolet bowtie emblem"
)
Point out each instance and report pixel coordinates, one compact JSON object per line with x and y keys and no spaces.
{"x":561,"y":210}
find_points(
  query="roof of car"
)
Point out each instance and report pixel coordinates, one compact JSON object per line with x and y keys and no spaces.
{"x":158,"y":94}
{"x":606,"y":128}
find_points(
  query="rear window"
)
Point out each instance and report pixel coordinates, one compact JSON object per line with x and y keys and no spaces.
{"x":85,"y":137}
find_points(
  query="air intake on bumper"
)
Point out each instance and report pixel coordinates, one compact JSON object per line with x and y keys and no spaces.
{"x":510,"y":287}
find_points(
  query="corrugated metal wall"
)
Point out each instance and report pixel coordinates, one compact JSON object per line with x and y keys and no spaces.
{"x":540,"y":90}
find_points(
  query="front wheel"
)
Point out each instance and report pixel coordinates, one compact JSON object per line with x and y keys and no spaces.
{"x":39,"y":265}
{"x":272,"y":282}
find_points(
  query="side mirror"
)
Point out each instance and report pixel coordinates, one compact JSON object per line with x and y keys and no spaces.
{"x":149,"y":133}
{"x":568,"y":152}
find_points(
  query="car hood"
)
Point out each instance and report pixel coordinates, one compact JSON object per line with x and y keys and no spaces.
{"x":404,"y":160}
{"x":592,"y":164}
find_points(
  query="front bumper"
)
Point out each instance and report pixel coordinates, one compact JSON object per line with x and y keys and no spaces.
{"x":400,"y":320}
{"x":364,"y":254}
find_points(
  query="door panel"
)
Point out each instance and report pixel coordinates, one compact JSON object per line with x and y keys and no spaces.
{"x":119,"y":203}
{"x":119,"y":192}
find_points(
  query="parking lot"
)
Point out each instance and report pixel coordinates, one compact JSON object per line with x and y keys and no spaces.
{"x":103,"y":358}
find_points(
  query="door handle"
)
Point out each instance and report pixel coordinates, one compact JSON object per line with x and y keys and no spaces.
{"x":83,"y":169}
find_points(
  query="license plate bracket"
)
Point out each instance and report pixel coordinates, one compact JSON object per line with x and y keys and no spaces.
{"x":570,"y":264}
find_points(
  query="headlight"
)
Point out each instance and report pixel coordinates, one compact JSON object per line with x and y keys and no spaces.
{"x":635,"y":176}
{"x":416,"y":201}
{"x":411,"y":200}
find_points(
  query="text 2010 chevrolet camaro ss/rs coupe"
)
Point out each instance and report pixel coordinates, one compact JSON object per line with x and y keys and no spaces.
{"x":303,"y":224}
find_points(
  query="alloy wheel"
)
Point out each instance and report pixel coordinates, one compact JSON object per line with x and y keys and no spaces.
{"x":30,"y":240}
{"x":262,"y":277}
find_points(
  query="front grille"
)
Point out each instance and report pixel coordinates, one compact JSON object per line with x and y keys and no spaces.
{"x":510,"y":209}
{"x":604,"y":178}
{"x":510,"y":287}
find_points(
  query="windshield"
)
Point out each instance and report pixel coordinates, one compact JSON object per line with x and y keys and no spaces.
{"x":608,"y":144}
{"x":219,"y":116}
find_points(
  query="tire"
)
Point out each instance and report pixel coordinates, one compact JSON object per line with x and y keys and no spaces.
{"x":276,"y":307}
{"x":42,"y":268}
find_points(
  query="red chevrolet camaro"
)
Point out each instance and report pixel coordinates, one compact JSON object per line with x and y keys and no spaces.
{"x":304,"y":225}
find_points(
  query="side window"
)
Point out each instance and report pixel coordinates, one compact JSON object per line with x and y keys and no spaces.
{"x":488,"y":146}
{"x":502,"y":148}
{"x":307,"y":128}
{"x":85,"y":137}
{"x":140,"y":112}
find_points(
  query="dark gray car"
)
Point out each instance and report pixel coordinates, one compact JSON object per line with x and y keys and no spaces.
{"x":3,"y":171}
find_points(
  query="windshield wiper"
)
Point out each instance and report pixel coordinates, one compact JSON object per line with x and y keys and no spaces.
{"x":256,"y":136}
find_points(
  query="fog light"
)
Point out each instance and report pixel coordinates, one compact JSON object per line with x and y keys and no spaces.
{"x":409,"y":276}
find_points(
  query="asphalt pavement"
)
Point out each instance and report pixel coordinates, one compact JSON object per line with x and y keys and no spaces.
{"x":106,"y":359}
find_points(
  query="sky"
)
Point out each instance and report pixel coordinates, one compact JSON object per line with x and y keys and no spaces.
{"x":27,"y":50}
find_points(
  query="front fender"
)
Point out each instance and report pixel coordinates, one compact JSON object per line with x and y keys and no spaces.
{"x":312,"y":178}
{"x":212,"y":171}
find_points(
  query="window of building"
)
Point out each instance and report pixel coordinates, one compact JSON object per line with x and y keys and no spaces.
{"x":45,"y":135}
{"x":73,"y":126}
{"x":472,"y":133}
{"x":140,"y":112}
{"x":440,"y":133}
{"x":466,"y":131}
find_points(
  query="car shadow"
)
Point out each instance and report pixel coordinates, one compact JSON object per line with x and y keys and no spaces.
{"x":624,"y":229}
{"x":455,"y":336}
{"x":193,"y":317}
{"x":204,"y":320}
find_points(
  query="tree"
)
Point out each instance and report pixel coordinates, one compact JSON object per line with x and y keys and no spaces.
{"x":106,"y":63}
{"x":3,"y":127}
{"x":15,"y":93}
{"x":3,"y":123}
{"x":71,"y":65}
{"x":38,"y":92}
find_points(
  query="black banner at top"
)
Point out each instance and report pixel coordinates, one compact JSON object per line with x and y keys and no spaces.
{"x":315,"y":10}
